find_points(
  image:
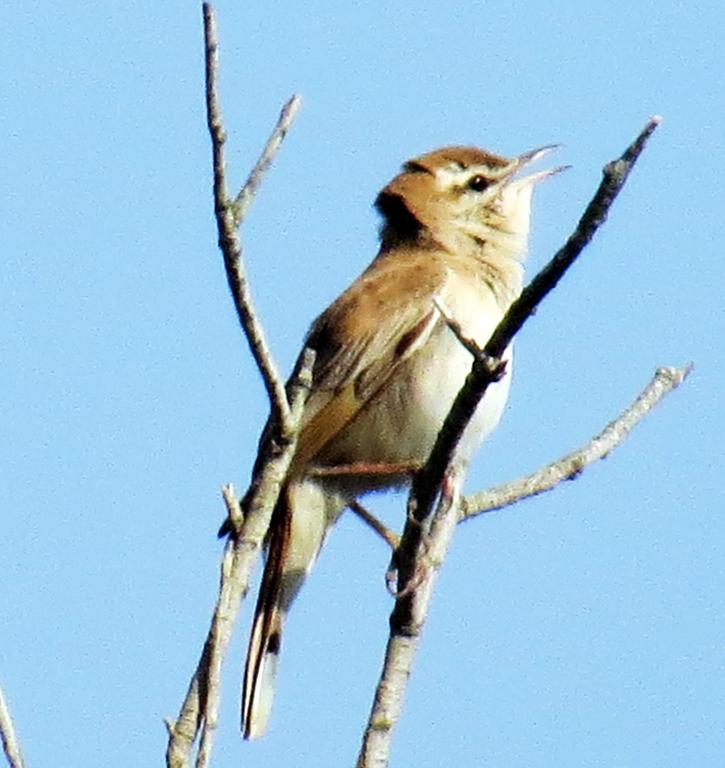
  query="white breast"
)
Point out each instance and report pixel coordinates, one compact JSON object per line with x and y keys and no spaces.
{"x":402,"y":421}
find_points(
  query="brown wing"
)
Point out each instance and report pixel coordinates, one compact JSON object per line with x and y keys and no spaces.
{"x":360,"y":340}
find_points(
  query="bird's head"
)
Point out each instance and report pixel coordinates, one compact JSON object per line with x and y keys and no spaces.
{"x":458,"y":197}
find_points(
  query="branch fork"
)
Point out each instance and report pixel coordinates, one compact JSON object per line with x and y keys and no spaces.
{"x":434,"y":505}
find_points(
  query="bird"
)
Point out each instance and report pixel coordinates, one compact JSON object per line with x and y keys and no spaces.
{"x":455,"y":225}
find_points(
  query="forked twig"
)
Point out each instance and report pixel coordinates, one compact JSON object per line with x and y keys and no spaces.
{"x":573,"y":464}
{"x":199,"y":711}
{"x":230,"y":214}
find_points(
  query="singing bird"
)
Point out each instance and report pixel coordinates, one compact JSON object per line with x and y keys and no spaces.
{"x":454,"y":233}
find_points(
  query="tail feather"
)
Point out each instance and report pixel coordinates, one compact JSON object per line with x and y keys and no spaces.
{"x":260,"y":672}
{"x":303,"y":515}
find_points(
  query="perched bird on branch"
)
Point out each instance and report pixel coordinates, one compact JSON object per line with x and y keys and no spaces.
{"x":388,"y":366}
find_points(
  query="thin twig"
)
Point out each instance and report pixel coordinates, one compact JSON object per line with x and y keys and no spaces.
{"x":468,"y":342}
{"x":229,"y":215}
{"x":249,"y":190}
{"x":569,"y":467}
{"x":406,"y":619}
{"x":235,"y":514}
{"x":219,"y":635}
{"x":240,"y":554}
{"x":11,"y":746}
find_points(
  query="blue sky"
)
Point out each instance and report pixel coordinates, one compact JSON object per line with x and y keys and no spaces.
{"x":582,"y":629}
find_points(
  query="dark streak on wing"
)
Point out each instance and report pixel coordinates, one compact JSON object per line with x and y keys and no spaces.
{"x":409,"y":338}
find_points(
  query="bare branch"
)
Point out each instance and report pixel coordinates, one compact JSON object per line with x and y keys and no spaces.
{"x":403,"y":640}
{"x":569,"y":467}
{"x":219,"y":636}
{"x":229,"y":215}
{"x":274,"y":142}
{"x":200,"y":707}
{"x":199,"y":710}
{"x":409,"y":613}
{"x":11,"y":747}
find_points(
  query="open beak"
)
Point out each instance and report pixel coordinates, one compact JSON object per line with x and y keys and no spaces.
{"x":531,"y":157}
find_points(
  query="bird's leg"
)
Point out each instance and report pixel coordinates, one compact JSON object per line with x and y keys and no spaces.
{"x":367,"y":468}
{"x":449,"y":491}
{"x":390,"y":537}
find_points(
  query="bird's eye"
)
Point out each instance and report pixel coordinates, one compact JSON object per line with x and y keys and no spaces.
{"x":478,"y":183}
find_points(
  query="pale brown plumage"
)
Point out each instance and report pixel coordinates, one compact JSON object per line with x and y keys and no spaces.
{"x":455,"y":224}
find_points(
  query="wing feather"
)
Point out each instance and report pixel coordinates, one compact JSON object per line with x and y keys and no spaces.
{"x":385,"y":317}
